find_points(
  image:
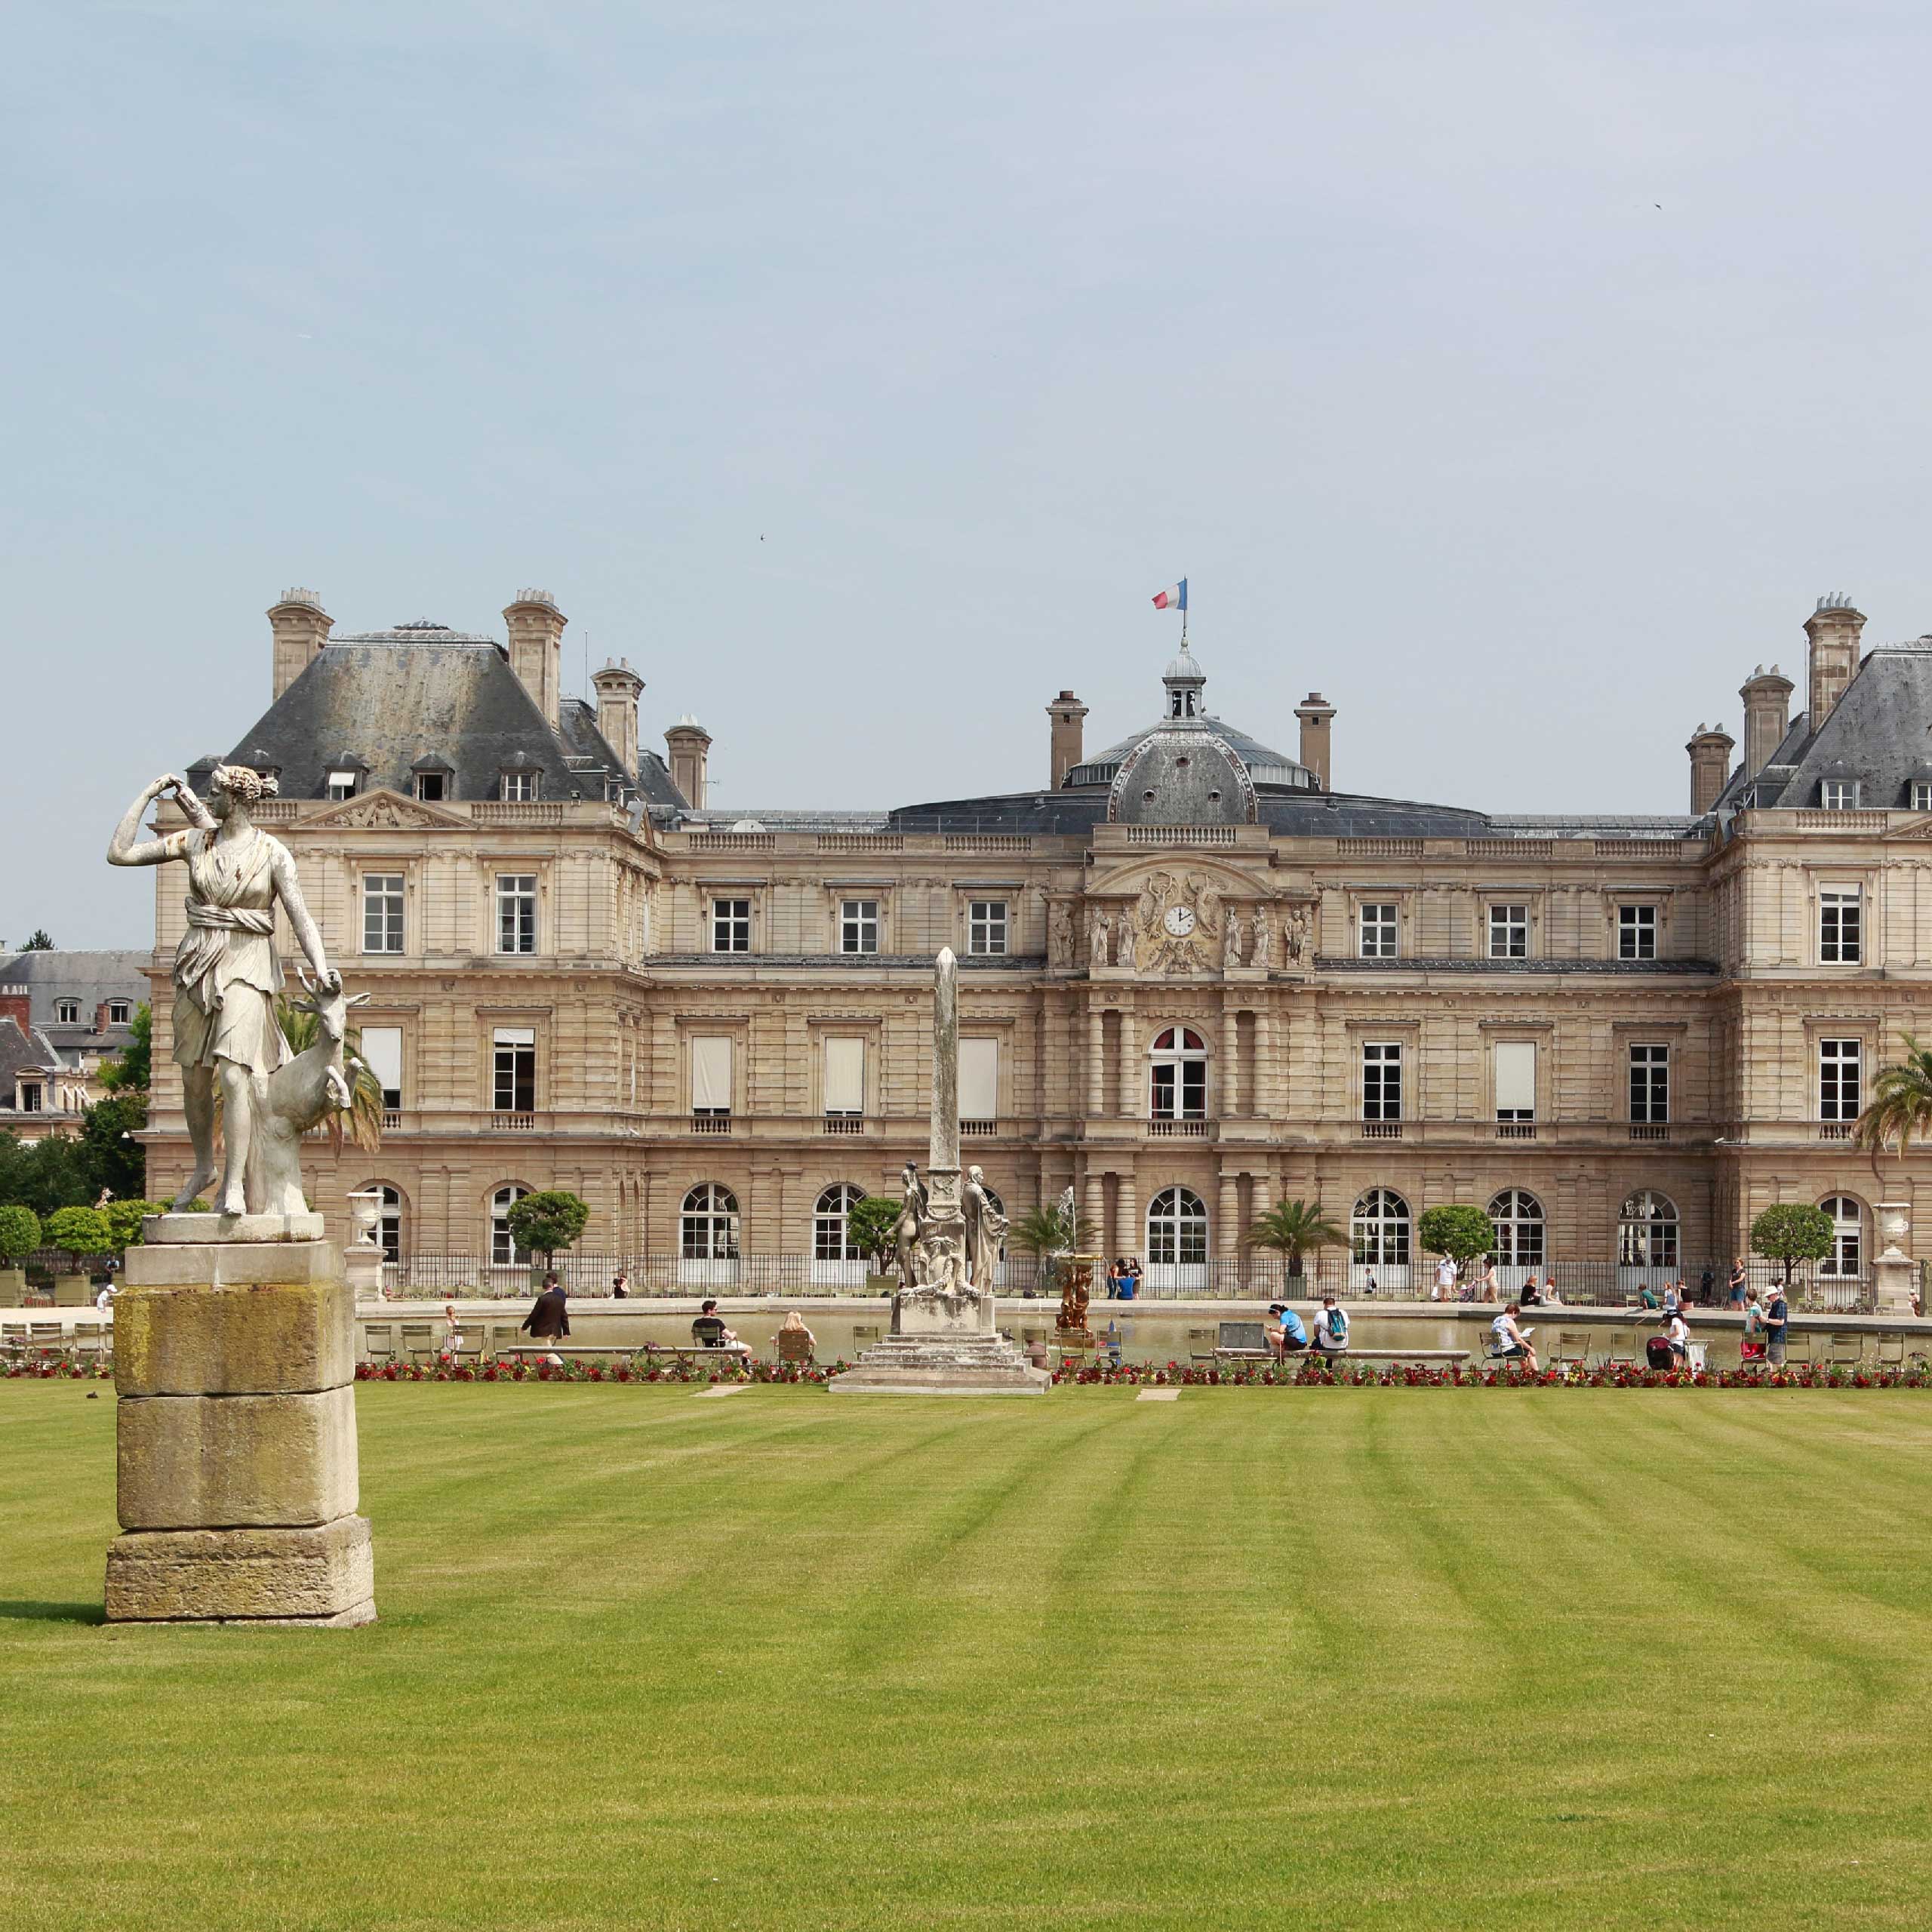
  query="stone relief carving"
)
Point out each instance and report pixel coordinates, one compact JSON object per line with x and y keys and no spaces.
{"x":1179,"y":916}
{"x":1124,"y":957}
{"x":1299,"y":929}
{"x":1096,"y":938}
{"x":1264,"y":928}
{"x":1230,"y":944}
{"x":1059,"y":936}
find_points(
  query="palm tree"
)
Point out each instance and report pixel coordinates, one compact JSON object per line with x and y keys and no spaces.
{"x":1900,"y":1106}
{"x":1293,"y":1229}
{"x":365,"y":1097}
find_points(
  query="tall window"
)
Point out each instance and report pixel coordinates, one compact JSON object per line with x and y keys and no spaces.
{"x":711,"y":1075}
{"x":858,"y":925}
{"x":1650,"y":1085}
{"x":985,"y":926}
{"x":382,"y":912}
{"x":520,"y":786}
{"x":66,"y":1012}
{"x":29,"y":1096}
{"x":388,"y":1225}
{"x":1379,"y":1230}
{"x":1381,"y":1080}
{"x":504,"y":1252}
{"x":1377,"y":928}
{"x":516,"y":913}
{"x":1647,"y":1231}
{"x":1179,"y":1088}
{"x":1513,"y":1067}
{"x":730,"y":925}
{"x":119,"y":1012}
{"x":342,"y":784}
{"x":832,"y":1240}
{"x":979,"y":1085}
{"x":1840,"y":923}
{"x":1846,"y":1257}
{"x":1517,"y":1218}
{"x":1177,"y":1229}
{"x":1636,"y":932}
{"x":708,"y":1227}
{"x":381,"y":1048}
{"x":514,"y":1083}
{"x":844,"y":1079}
{"x":1837,"y":795}
{"x":1841,"y":1082}
{"x":1508,"y":932}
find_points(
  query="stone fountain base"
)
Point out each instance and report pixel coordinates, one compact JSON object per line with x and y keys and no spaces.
{"x":943,"y":1343}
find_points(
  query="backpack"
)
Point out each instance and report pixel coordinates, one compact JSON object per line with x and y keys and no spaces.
{"x":1338,"y":1327}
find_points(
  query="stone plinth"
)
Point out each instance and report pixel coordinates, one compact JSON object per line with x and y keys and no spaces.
{"x":235,"y":1363}
{"x":943,"y":1344}
{"x":177,"y":1230}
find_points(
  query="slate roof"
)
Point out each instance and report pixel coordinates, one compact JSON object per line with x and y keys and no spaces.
{"x":23,"y":1053}
{"x":390,"y":699}
{"x":89,"y":977}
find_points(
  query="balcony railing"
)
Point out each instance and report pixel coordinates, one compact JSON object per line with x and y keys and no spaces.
{"x":1835,"y":1129}
{"x":1516,"y":1129}
{"x":844,"y":1123}
{"x":1381,"y":1130}
{"x":508,"y":1120}
{"x":1649,"y":1130}
{"x":1179,"y":1129}
{"x":978,"y":1129}
{"x":713,"y":1124}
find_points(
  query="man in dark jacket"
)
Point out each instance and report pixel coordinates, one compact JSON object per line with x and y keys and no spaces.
{"x":549,"y":1319}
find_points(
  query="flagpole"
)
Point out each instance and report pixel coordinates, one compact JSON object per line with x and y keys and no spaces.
{"x":1183,"y":615}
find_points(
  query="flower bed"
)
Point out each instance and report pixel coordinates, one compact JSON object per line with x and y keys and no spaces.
{"x":54,"y":1368}
{"x":1306,"y":1374}
{"x":569,"y":1371}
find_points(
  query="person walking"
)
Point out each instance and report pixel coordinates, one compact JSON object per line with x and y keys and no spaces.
{"x":1488,"y":1277}
{"x":1736,"y":1284}
{"x":451,"y":1351}
{"x":1677,"y":1332}
{"x":549,"y":1318}
{"x":1777,"y":1319}
{"x":1445,"y":1280}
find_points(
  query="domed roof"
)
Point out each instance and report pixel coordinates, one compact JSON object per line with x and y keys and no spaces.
{"x":1184,"y":668}
{"x":1182,"y":777}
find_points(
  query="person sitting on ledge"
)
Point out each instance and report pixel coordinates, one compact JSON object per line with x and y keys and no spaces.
{"x":1290,"y":1338}
{"x":1331,"y":1329}
{"x":1532,"y":1296}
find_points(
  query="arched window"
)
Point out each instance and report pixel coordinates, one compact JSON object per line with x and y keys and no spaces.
{"x":389,"y":1219}
{"x":708,"y":1229}
{"x":504,"y":1252}
{"x":1647,"y":1231}
{"x":1179,"y":1090}
{"x":831,"y":1239}
{"x":1517,"y":1216}
{"x":1178,"y":1229}
{"x":1379,"y":1230}
{"x":1848,"y":1254}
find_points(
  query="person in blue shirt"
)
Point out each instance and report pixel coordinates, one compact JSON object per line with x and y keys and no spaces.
{"x":1291,"y":1337}
{"x":1776,"y":1317}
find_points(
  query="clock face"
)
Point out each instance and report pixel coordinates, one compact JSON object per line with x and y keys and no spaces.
{"x":1179,"y":921}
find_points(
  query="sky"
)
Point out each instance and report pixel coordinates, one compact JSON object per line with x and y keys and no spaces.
{"x":1517,"y":376}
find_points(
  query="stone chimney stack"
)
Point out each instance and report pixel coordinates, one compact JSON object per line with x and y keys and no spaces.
{"x":1834,"y":628}
{"x":1766,"y":696}
{"x":301,"y":627}
{"x":618,"y":687}
{"x":1068,"y":735}
{"x":537,"y":649}
{"x":1710,"y":765}
{"x":690,"y":747}
{"x":1316,"y":715}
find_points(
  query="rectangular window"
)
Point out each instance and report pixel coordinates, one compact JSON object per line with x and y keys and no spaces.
{"x":520,"y":786}
{"x":858,"y":925}
{"x":120,"y":1012}
{"x":1636,"y":932}
{"x":1381,"y":1080}
{"x":711,"y":1074}
{"x":1840,"y":937}
{"x":29,"y":1098}
{"x":845,"y":1077}
{"x":382,"y":1049}
{"x":1840,"y":1070}
{"x":985,"y":926}
{"x":1515,"y":1073}
{"x":1650,"y":1086}
{"x":979,"y":1080}
{"x":66,"y":1012}
{"x":730,"y":925}
{"x":1837,"y":795}
{"x":514,"y":1089}
{"x":1378,"y":932}
{"x":516,"y":913}
{"x":342,"y":784}
{"x":381,"y":912}
{"x":1508,"y":932}
{"x":1921,"y":794}
{"x":430,"y":785}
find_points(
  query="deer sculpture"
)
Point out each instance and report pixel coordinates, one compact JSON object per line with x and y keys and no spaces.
{"x":297,"y":1095}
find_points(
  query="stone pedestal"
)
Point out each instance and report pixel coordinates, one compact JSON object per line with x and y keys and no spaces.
{"x":943,"y":1342}
{"x":1894,"y":1273}
{"x":235,"y":1364}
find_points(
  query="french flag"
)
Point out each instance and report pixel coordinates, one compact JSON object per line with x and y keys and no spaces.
{"x":1174,"y":597}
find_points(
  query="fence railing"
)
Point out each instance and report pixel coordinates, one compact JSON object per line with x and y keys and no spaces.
{"x":1257,"y":1276}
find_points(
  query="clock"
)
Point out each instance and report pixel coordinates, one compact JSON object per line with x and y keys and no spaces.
{"x":1178,"y":920}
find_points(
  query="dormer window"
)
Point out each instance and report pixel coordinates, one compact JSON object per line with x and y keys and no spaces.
{"x":119,"y":1012}
{"x":342,"y":784}
{"x":1921,"y":794}
{"x":66,"y":1012}
{"x":1837,"y":795}
{"x":520,"y":786}
{"x":432,"y":785}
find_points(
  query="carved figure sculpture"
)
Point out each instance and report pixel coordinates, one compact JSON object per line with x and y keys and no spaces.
{"x":1096,"y":938}
{"x":1125,"y":957}
{"x":1059,"y":936}
{"x":985,"y":1230}
{"x":226,"y":976}
{"x":1076,"y":1283}
{"x":1264,"y":934}
{"x":1298,"y":934}
{"x":905,"y":1230}
{"x":1231,"y":943}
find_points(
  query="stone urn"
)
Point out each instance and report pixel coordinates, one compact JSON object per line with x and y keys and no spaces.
{"x":1895,"y":1224}
{"x":365,"y":1214}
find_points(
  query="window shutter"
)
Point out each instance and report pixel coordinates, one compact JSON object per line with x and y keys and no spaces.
{"x":516,"y":1036}
{"x":978,"y":1079}
{"x":382,"y":1048}
{"x":1516,"y":1076}
{"x":711,"y":1071}
{"x":844,"y":1076}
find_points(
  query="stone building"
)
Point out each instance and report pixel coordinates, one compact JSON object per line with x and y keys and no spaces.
{"x":61,"y":1014}
{"x":1198,"y":977}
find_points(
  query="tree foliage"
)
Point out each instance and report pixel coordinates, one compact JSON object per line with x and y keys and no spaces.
{"x":1293,"y":1229}
{"x":548,"y":1219}
{"x":20,"y":1233}
{"x":131,"y":1070}
{"x":1792,"y":1232}
{"x":79,"y":1231}
{"x":869,"y":1225}
{"x":45,"y":1174}
{"x":125,"y":1219}
{"x":115,"y":1160}
{"x":1460,"y":1232}
{"x":40,"y":941}
{"x":1900,"y":1108}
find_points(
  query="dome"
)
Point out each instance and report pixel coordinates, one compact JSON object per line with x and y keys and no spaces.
{"x":1184,"y":668}
{"x":1182,"y":777}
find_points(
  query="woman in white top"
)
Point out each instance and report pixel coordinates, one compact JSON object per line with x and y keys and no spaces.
{"x":1510,"y":1343}
{"x":452,"y":1335}
{"x":1678,"y":1336}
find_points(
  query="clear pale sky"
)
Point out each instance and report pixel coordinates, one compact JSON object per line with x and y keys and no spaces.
{"x":1517,"y":376}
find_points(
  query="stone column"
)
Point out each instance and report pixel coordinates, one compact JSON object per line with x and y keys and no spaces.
{"x":1126,"y":1216}
{"x":1227,"y":1101}
{"x":1131,"y":1101}
{"x":1227,"y":1224}
{"x":1095,"y":1211}
{"x":1261,"y":1102}
{"x":235,"y":1366}
{"x":1096,"y":1037}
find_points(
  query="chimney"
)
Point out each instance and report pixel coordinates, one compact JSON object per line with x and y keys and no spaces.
{"x":16,"y":1006}
{"x":537,"y":649}
{"x":1834,"y":628}
{"x":301,"y":627}
{"x":1766,"y":696}
{"x":617,"y":687}
{"x":1710,"y":765}
{"x":689,"y":746}
{"x":1068,"y":734}
{"x":1316,"y":715}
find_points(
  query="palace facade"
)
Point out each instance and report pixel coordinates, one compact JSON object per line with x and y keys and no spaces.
{"x":1197,"y":978}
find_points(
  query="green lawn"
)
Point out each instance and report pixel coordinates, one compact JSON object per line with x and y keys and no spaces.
{"x":1324,"y":1658}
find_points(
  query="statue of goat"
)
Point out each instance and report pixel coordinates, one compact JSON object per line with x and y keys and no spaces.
{"x":299,"y":1094}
